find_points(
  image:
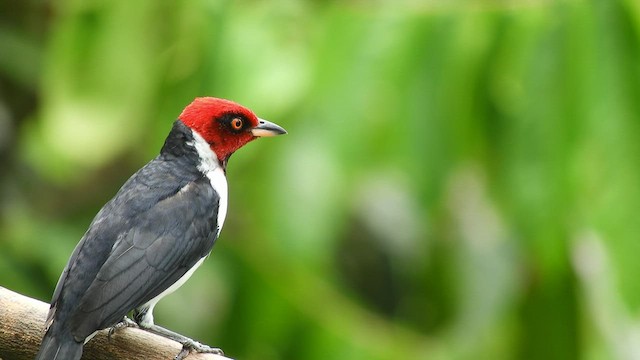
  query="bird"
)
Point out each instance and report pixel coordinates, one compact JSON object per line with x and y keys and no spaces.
{"x":154,"y":233}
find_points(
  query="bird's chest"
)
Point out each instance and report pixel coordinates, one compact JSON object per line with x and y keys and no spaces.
{"x":218,"y":182}
{"x":209,"y":165}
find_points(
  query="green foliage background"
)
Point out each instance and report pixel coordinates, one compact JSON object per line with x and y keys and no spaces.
{"x":461,"y":179}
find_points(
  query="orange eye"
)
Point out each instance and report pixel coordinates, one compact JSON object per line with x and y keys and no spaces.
{"x":236,"y":124}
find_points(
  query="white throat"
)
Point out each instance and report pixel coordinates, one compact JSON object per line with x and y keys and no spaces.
{"x":210,"y":166}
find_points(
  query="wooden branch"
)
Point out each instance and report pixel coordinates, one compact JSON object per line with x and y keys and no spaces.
{"x":22,"y":322}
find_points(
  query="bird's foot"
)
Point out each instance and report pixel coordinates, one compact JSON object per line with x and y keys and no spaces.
{"x":124,"y":323}
{"x":190,"y":346}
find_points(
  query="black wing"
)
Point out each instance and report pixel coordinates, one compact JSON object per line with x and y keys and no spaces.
{"x":160,"y":223}
{"x":156,"y":250}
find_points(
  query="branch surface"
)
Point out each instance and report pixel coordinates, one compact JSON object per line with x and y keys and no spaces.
{"x":22,"y":322}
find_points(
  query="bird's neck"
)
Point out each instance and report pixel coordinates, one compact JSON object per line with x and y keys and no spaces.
{"x":185,"y":145}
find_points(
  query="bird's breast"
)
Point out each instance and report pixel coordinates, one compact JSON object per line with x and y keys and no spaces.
{"x":219,"y":184}
{"x":209,"y":165}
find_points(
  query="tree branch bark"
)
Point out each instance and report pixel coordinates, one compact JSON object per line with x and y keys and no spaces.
{"x":21,"y":329}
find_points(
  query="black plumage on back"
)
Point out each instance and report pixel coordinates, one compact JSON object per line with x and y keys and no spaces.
{"x":160,"y":223}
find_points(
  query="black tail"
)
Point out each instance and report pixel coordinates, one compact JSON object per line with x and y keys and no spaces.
{"x":55,"y":348}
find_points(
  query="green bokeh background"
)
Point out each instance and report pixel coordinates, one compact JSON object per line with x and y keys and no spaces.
{"x":461,"y":179}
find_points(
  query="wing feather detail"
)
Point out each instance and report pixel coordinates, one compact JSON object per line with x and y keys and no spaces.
{"x":157,"y":248}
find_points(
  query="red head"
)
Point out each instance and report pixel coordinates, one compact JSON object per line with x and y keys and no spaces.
{"x":225,"y":125}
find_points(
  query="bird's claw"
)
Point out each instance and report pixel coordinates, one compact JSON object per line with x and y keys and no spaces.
{"x":191,"y":345}
{"x":124,"y":323}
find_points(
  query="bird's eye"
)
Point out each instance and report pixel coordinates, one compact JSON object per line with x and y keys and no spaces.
{"x":236,"y":124}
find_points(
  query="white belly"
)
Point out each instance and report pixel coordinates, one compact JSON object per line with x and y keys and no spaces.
{"x":148,"y":317}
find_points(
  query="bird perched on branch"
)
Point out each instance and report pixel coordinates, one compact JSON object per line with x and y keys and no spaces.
{"x":150,"y":238}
